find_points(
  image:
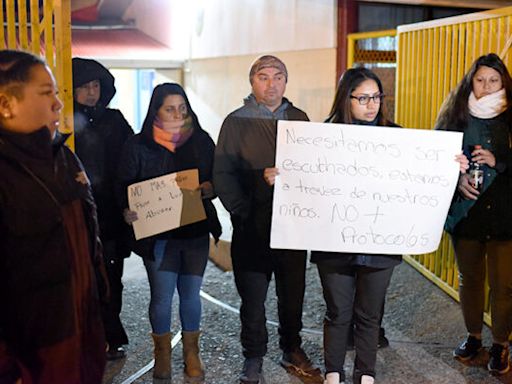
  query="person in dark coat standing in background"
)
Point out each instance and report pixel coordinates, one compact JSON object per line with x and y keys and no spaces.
{"x":51,"y":270}
{"x":100,"y":134}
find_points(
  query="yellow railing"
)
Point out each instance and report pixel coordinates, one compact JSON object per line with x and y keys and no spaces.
{"x":376,"y":50}
{"x":432,"y":58}
{"x":44,"y":30}
{"x":358,"y":54}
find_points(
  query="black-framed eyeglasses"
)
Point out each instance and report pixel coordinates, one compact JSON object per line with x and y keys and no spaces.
{"x":365,"y":99}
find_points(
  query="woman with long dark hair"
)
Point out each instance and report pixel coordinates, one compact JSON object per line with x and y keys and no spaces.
{"x":480,"y":220}
{"x":354,"y":285}
{"x":172,"y":140}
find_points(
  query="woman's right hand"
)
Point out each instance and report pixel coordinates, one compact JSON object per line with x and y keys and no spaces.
{"x":466,"y":189}
{"x":130,"y":216}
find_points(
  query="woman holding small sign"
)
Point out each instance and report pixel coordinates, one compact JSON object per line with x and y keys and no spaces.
{"x":480,"y":217}
{"x":172,"y":140}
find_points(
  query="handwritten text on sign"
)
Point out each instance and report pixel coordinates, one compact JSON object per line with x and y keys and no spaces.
{"x":166,"y":202}
{"x":355,"y":188}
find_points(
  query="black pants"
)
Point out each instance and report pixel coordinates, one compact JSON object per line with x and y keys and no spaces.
{"x":253,"y":265}
{"x":352,"y":293}
{"x":475,"y":261}
{"x":114,"y":253}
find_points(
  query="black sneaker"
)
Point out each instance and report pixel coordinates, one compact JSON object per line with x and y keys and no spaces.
{"x":468,"y":349}
{"x":297,"y":362}
{"x":498,"y":360}
{"x":251,"y":372}
{"x":115,"y":352}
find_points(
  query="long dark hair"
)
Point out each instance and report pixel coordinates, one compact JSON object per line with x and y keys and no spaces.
{"x":454,"y":112}
{"x":160,"y":92}
{"x":15,"y":70}
{"x":350,"y":80}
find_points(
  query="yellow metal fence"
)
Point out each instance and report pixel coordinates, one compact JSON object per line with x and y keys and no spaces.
{"x":44,"y":28}
{"x":366,"y":48}
{"x":377,"y":51}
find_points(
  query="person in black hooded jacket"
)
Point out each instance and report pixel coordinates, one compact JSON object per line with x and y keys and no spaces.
{"x":100,"y":133}
{"x":51,"y":270}
{"x":172,"y":140}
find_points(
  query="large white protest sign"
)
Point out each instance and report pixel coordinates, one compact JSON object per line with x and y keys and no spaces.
{"x":166,"y":202}
{"x":354,"y":188}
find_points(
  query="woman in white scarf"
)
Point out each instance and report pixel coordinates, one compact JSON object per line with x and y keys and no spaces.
{"x":480,"y":221}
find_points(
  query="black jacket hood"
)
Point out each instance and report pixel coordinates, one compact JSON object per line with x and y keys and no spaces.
{"x":85,"y":70}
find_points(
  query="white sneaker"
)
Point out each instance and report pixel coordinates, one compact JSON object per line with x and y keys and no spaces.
{"x":365,"y":379}
{"x":332,"y":378}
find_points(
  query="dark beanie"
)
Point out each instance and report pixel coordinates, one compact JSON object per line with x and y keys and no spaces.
{"x":267,"y":61}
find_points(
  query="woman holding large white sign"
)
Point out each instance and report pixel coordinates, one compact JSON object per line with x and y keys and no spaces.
{"x":480,"y":217}
{"x":172,"y":140}
{"x":354,"y":285}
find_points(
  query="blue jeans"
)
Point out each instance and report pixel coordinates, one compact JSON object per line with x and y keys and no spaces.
{"x":177,"y":263}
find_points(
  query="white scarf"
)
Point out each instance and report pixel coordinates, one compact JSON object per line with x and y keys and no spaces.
{"x":488,"y":106}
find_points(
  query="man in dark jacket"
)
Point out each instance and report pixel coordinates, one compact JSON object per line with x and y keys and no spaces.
{"x":246,"y":147}
{"x":100,"y":134}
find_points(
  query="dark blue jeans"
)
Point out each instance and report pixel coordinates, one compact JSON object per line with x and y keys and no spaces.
{"x":179,"y":263}
{"x":352,"y":293}
{"x":253,"y":265}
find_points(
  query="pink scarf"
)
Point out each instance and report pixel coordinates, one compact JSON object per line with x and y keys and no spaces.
{"x":488,"y":106}
{"x":172,"y":134}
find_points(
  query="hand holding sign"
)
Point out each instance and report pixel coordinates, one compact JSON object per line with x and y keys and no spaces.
{"x":165,"y":203}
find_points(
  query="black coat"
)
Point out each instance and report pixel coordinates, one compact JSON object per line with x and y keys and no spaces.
{"x":37,"y":302}
{"x":246,"y":146}
{"x":144,"y":159}
{"x":100,"y":134}
{"x":490,"y":216}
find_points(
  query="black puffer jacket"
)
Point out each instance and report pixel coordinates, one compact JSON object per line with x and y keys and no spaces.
{"x":36,"y":286}
{"x":100,"y":134}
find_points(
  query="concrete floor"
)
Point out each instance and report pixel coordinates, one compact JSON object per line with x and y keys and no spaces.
{"x":422,"y":323}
